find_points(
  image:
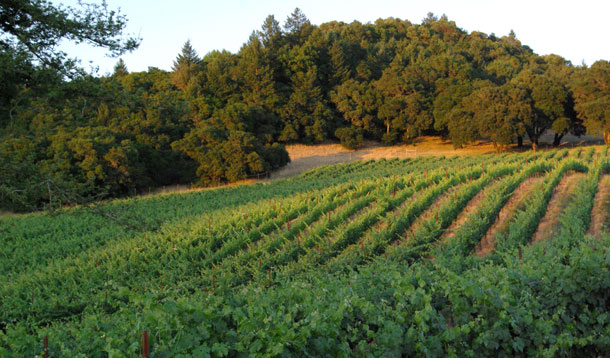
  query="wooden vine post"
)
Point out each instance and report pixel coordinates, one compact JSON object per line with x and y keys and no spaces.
{"x":45,"y":345}
{"x":145,"y":347}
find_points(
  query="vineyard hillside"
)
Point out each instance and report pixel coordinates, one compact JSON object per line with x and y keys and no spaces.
{"x":493,"y":255}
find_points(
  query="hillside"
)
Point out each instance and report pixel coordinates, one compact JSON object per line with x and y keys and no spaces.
{"x":225,"y":117}
{"x":480,"y":255}
{"x":305,"y":157}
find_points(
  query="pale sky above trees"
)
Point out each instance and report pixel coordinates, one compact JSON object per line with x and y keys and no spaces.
{"x":577,"y":31}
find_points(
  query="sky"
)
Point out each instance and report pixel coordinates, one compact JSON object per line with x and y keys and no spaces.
{"x":576,"y":30}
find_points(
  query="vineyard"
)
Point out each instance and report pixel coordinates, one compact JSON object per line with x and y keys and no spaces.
{"x":482,"y":256}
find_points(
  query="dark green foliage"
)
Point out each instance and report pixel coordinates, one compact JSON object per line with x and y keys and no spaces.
{"x":217,"y":118}
{"x":498,"y":112}
{"x":357,"y":101}
{"x":185,"y":66}
{"x":38,"y":26}
{"x":21,"y":187}
{"x":350,"y":137}
{"x":111,"y":135}
{"x":552,"y":102}
{"x":120,"y":69}
{"x":30,"y":32}
{"x":592,"y":92}
{"x":306,"y":266}
{"x":230,"y":155}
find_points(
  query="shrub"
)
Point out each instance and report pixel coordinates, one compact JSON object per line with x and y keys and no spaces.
{"x":350,"y":137}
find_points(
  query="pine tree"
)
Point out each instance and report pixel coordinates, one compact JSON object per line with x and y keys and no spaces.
{"x":270,"y":32}
{"x":185,"y":66}
{"x":120,"y":69}
{"x":297,"y":27}
{"x":188,"y":56}
{"x":256,"y":75}
{"x":340,"y":71}
{"x":296,"y":21}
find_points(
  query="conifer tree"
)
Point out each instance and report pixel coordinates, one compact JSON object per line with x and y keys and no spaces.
{"x":256,"y":75}
{"x":296,"y":21}
{"x":185,"y":66}
{"x":340,"y":71}
{"x":120,"y":69}
{"x":270,"y":31}
{"x":297,"y":27}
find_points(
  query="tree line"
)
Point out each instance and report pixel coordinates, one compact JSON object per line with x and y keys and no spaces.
{"x":225,"y":116}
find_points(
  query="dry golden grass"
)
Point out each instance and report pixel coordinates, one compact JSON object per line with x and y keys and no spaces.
{"x":183,"y":188}
{"x":305,"y":157}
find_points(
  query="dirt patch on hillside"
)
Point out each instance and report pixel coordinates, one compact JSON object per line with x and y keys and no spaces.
{"x":306,"y":157}
{"x":561,"y":195}
{"x":471,"y":208}
{"x":600,"y":215}
{"x":433,"y":209}
{"x":515,"y":202}
{"x":396,"y":211}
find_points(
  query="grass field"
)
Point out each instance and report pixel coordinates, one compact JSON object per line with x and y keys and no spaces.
{"x":306,"y":157}
{"x":471,"y":256}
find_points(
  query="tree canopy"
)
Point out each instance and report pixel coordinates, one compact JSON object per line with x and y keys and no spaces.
{"x":226,"y":116}
{"x":37,"y":27}
{"x":592,"y":91}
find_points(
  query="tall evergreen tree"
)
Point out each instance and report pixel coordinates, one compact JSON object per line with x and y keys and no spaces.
{"x":296,"y":21}
{"x":339,"y":69}
{"x":185,"y":66}
{"x":297,"y":27}
{"x":256,"y":75}
{"x":120,"y":69}
{"x":270,"y":32}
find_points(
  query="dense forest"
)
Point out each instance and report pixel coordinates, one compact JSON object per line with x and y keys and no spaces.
{"x":67,"y":136}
